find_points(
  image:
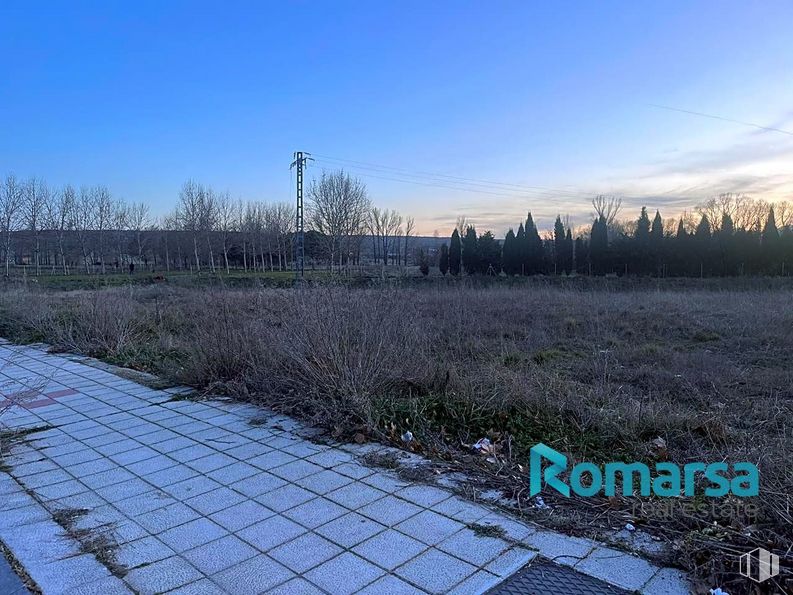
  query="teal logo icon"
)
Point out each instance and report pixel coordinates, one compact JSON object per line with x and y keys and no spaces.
{"x":589,"y":479}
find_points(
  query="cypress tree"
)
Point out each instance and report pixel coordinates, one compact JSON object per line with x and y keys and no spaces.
{"x":558,"y":245}
{"x":455,"y":253}
{"x":520,"y":251}
{"x":443,"y":260}
{"x":641,"y":251}
{"x":769,"y":244}
{"x":424,"y":263}
{"x":488,"y":254}
{"x":726,"y":245}
{"x":702,"y":237}
{"x":509,"y":254}
{"x":535,"y":255}
{"x":581,"y":256}
{"x":470,"y":251}
{"x":657,"y":242}
{"x":569,"y":254}
{"x":598,"y":246}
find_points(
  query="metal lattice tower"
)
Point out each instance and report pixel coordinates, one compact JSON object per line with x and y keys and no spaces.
{"x":300,"y":161}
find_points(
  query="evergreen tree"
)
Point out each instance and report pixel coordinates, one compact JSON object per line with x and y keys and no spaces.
{"x":581,"y":256}
{"x":657,"y":243}
{"x":521,"y":251}
{"x":443,"y":260}
{"x":455,"y":253}
{"x":569,"y":257}
{"x":509,"y":255}
{"x":682,"y":257}
{"x":488,"y":254}
{"x":702,"y":237}
{"x":470,"y":251}
{"x":769,"y":245}
{"x":598,"y":246}
{"x":640,"y":259}
{"x":424,"y":263}
{"x":558,"y":245}
{"x":535,"y":255}
{"x":725,"y":241}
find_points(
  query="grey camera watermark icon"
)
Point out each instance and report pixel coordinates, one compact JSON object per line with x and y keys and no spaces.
{"x":759,"y":565}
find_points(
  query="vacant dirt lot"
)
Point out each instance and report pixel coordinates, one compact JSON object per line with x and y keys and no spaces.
{"x":649,"y":373}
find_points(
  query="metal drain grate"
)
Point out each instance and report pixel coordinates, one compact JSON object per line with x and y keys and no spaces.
{"x":546,"y":578}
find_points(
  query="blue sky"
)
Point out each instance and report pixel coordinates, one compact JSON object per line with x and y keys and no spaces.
{"x":141,"y":96}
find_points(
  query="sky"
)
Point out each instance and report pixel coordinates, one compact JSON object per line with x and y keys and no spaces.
{"x":537,"y":105}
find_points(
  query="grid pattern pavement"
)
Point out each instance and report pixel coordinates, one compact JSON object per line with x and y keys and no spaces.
{"x":221,"y":497}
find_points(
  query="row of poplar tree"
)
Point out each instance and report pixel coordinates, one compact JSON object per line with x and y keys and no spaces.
{"x":648,"y":250}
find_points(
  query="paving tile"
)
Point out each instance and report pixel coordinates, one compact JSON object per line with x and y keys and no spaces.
{"x":562,"y":549}
{"x":354,"y":470}
{"x":253,"y":576}
{"x":202,"y":587}
{"x":233,"y":473}
{"x":668,"y":581}
{"x":173,"y":444}
{"x":215,"y":500}
{"x":247,"y":451}
{"x":134,"y":455}
{"x":390,"y":510}
{"x":305,"y":552}
{"x":271,"y":533}
{"x":118,"y":446}
{"x":421,"y":495}
{"x":258,"y":484}
{"x":461,"y":510}
{"x":429,"y":527}
{"x":60,"y":575}
{"x":192,"y":535}
{"x":191,"y":453}
{"x":323,"y":482}
{"x":618,"y":568}
{"x":143,"y":503}
{"x":220,"y":554}
{"x":126,"y":489}
{"x":479,"y":582}
{"x":350,"y":530}
{"x":46,"y":478}
{"x":511,"y":528}
{"x":106,"y":478}
{"x":330,"y":458}
{"x":107,"y":586}
{"x":169,"y":476}
{"x":90,"y":467}
{"x":35,"y":467}
{"x":473,"y":548}
{"x":195,"y":486}
{"x":385,"y":482}
{"x":166,"y":518}
{"x":509,"y":562}
{"x":241,"y":515}
{"x":435,"y":571}
{"x":61,"y":490}
{"x":316,"y":512}
{"x":296,"y":470}
{"x":390,"y":549}
{"x":356,"y":571}
{"x":391,"y":585}
{"x":285,"y":497}
{"x":211,"y":462}
{"x":152,"y":465}
{"x":271,"y":459}
{"x":142,"y":552}
{"x":297,"y":586}
{"x":355,"y":495}
{"x":162,"y":576}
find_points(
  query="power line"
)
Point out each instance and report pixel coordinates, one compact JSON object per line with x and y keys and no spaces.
{"x":447,"y":177}
{"x":436,"y":184}
{"x":722,"y":118}
{"x":439,"y":182}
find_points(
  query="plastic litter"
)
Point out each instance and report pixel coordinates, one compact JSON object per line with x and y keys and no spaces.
{"x":629,"y":527}
{"x":540,"y":503}
{"x":483,"y":445}
{"x":718,"y":591}
{"x":407,"y":436}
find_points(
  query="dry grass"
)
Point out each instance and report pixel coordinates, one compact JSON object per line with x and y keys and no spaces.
{"x":597,"y":373}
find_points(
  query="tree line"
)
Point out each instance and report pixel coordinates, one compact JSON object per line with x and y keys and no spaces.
{"x":730,"y":235}
{"x":88,"y":230}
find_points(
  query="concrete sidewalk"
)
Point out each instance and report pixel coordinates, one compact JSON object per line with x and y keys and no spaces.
{"x":129,"y":489}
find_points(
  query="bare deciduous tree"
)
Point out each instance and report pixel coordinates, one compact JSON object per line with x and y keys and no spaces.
{"x":338,"y":205}
{"x":11,"y":202}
